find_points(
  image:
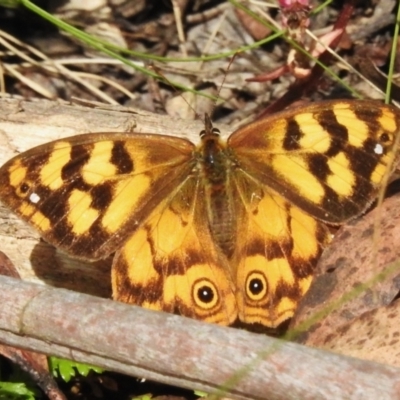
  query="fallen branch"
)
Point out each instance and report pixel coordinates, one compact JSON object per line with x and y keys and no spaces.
{"x":180,"y":351}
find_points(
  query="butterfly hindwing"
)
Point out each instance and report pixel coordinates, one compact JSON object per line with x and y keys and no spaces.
{"x":171,"y":262}
{"x":276,"y":254}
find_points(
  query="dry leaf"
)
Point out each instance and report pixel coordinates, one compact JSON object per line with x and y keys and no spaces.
{"x":7,"y":268}
{"x":256,"y":29}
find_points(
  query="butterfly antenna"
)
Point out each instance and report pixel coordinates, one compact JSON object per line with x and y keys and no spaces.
{"x":176,"y":91}
{"x":223,"y":82}
{"x":207,"y":116}
{"x":208,"y":126}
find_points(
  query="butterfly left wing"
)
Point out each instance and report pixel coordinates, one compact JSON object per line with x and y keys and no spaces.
{"x":328,"y":158}
{"x":94,"y":194}
{"x":171,"y":263}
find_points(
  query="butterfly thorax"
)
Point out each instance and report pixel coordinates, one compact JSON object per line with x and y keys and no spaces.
{"x":214,"y":166}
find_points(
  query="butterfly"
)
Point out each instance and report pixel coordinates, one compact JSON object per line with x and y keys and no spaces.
{"x":222,"y":231}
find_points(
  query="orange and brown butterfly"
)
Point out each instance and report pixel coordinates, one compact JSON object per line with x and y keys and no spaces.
{"x":222,"y":231}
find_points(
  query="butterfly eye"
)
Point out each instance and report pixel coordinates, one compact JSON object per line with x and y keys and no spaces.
{"x":256,"y":286}
{"x":214,"y":131}
{"x":205,"y":294}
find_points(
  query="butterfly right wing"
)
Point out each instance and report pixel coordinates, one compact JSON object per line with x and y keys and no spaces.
{"x":277,"y":249}
{"x":171,"y":262}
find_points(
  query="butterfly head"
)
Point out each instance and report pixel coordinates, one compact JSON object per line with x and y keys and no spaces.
{"x":209,"y":132}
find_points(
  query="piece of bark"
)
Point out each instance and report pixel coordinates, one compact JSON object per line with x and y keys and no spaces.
{"x":374,"y":335}
{"x":357,"y":273}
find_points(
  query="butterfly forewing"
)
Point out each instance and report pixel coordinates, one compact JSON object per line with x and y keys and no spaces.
{"x":329,"y":158}
{"x":86,"y":193}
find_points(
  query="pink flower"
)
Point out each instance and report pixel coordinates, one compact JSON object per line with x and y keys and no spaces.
{"x":290,"y":3}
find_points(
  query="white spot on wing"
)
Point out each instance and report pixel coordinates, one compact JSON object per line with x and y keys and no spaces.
{"x":378,"y":149}
{"x":34,"y":198}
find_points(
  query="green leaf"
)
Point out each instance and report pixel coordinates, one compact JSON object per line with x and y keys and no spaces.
{"x":67,"y":369}
{"x":10,"y":3}
{"x":16,"y":391}
{"x":200,"y":393}
{"x":143,"y":397}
